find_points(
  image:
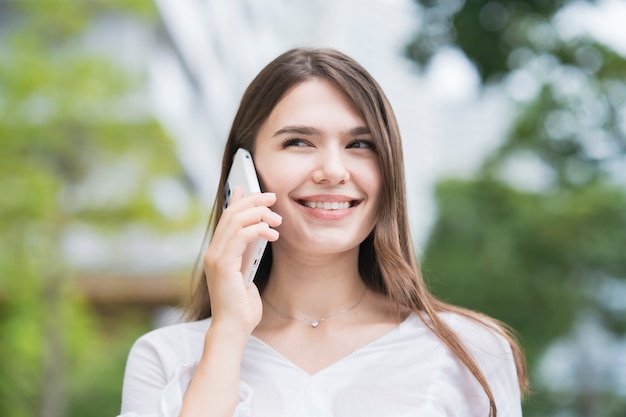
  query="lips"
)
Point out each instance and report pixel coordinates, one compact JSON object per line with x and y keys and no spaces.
{"x":329,"y":205}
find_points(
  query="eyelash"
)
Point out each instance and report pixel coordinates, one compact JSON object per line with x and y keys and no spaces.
{"x":292,"y":142}
{"x":368,"y":144}
{"x":297,"y":142}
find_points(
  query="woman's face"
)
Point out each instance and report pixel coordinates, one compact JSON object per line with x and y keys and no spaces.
{"x":316,"y":153}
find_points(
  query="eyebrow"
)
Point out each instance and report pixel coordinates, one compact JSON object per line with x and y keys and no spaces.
{"x":312,"y":131}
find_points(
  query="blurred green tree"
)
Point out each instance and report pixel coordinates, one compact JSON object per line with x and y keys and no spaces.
{"x":67,"y":117}
{"x":536,"y":257}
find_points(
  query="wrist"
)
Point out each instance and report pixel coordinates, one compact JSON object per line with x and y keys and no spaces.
{"x":227,"y":333}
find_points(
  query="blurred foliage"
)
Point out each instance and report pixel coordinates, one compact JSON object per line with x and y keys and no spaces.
{"x":487,"y":31}
{"x":77,"y":145}
{"x":526,"y":258}
{"x":536,"y":256}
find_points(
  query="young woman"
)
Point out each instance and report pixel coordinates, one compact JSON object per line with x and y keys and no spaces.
{"x":339,"y":321}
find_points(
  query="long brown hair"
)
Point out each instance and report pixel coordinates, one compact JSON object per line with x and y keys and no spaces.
{"x":387,"y":260}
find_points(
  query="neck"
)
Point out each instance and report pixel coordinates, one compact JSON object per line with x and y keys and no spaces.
{"x":314,"y":288}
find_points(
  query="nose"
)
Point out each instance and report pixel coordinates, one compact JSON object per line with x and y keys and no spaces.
{"x":331,"y":168}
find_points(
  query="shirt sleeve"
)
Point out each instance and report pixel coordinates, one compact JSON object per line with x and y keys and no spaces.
{"x":494,"y":356}
{"x":504,"y":384}
{"x":155,"y":382}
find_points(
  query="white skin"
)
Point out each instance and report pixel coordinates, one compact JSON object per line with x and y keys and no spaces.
{"x":314,"y":148}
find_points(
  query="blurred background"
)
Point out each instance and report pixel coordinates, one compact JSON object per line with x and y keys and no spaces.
{"x":113,"y":115}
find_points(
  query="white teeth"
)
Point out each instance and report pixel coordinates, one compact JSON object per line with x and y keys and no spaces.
{"x":328,"y":205}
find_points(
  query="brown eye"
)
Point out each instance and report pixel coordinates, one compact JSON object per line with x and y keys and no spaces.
{"x":298,"y":143}
{"x":361,"y":144}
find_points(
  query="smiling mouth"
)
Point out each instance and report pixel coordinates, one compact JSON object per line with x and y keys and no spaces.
{"x":329,"y":205}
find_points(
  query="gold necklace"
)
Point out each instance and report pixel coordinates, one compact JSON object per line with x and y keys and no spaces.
{"x":317,"y":322}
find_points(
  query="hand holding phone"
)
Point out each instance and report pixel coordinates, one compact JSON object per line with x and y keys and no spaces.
{"x":243,"y":174}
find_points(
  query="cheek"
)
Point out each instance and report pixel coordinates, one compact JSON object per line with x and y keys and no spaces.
{"x":276,"y":176}
{"x":373,"y":180}
{"x":373,"y":187}
{"x":264,"y":171}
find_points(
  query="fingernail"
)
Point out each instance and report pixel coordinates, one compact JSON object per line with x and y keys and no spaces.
{"x":274,"y":233}
{"x":270,"y":194}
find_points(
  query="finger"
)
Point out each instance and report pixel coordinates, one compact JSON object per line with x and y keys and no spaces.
{"x":233,"y":221}
{"x":240,"y":202}
{"x":260,"y":230}
{"x":258,"y":201}
{"x":235,"y":246}
{"x":255,"y":215}
{"x":236,"y":230}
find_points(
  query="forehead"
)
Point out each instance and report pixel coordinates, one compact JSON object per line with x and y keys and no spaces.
{"x":315,"y":101}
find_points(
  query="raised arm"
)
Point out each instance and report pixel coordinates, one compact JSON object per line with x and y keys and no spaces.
{"x":236,"y":309}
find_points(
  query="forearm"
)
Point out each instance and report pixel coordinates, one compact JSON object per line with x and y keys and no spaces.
{"x":213,"y":391}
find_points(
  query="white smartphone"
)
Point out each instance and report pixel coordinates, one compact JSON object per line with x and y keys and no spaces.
{"x":243,"y":174}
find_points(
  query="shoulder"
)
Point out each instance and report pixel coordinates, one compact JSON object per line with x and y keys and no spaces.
{"x":175,"y":333}
{"x":451,"y":383}
{"x":162,"y":358}
{"x":485,"y":340}
{"x":482,"y":336}
{"x":181,"y":342}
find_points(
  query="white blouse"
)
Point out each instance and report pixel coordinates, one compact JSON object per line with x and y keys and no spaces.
{"x":406,"y":372}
